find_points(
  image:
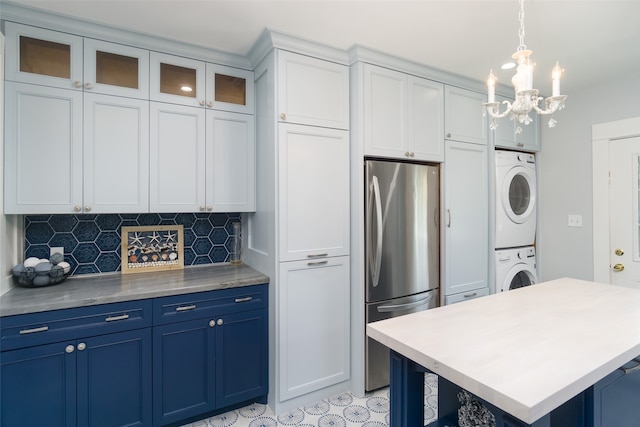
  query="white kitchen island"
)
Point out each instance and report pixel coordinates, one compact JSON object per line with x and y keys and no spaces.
{"x":535,"y":356}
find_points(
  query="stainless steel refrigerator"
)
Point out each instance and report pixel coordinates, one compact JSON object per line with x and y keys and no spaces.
{"x":402,"y":248}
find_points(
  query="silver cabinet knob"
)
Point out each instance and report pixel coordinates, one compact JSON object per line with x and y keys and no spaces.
{"x":82,"y":346}
{"x":209,"y":104}
{"x":88,"y":86}
{"x":77,"y":83}
{"x":202,"y":102}
{"x":448,"y":135}
{"x":220,"y":322}
{"x":209,"y":208}
{"x":283,"y":116}
{"x":202,"y":208}
{"x":69,"y":348}
{"x":411,"y":154}
{"x":77,"y":208}
{"x":87,"y":208}
{"x":406,"y":154}
{"x":212,"y":323}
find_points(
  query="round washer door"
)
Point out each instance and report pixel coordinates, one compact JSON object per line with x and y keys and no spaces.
{"x":519,"y":276}
{"x":518,"y":194}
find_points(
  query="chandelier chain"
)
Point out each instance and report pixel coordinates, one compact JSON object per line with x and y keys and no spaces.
{"x":521,"y":32}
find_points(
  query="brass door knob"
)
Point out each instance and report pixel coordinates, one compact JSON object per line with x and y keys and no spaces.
{"x":619,"y":252}
{"x":618,"y":267}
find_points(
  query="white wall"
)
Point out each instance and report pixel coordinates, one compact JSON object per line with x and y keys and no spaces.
{"x":565,"y":176}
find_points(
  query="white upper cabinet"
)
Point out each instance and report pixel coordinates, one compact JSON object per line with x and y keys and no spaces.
{"x":314,"y":192}
{"x":186,"y":81}
{"x":115,"y":69}
{"x":463,"y":118}
{"x":230,"y":89}
{"x":116,"y":158}
{"x":51,"y":58}
{"x":43,"y":57}
{"x":42,"y":177}
{"x":177,"y":80}
{"x":177,"y":159}
{"x":312,"y":91}
{"x":231,"y":161}
{"x":403,"y":115}
{"x":505,"y":135}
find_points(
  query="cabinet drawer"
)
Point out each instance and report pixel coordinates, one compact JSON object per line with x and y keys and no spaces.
{"x":208,"y":304}
{"x":465,"y":296}
{"x":52,"y":326}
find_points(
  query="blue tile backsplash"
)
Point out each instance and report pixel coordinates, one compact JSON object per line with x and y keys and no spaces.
{"x":92,"y":242}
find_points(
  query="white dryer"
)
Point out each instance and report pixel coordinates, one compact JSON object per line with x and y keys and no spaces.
{"x":515,"y":268}
{"x":515,"y":199}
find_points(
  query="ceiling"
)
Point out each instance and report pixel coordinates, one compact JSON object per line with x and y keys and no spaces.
{"x":594,"y":40}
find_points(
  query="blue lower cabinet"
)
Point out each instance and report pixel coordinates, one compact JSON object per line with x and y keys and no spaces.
{"x":42,"y":377}
{"x":183,"y":370}
{"x":614,"y":401}
{"x":114,"y":380}
{"x":242,"y":358}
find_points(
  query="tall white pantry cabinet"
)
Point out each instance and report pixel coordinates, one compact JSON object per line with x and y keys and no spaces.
{"x":299,"y":234}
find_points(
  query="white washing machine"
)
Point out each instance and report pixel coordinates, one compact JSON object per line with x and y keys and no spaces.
{"x":515,"y":199}
{"x":515,"y":268}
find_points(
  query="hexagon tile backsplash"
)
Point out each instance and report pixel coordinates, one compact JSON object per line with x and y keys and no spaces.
{"x":92,"y":242}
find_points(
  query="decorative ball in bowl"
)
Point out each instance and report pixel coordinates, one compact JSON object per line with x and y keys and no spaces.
{"x":35,"y":272}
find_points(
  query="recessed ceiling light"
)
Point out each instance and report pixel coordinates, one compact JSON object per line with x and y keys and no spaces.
{"x":507,"y":65}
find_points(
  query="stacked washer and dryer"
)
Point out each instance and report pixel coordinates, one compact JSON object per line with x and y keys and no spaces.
{"x":515,"y":220}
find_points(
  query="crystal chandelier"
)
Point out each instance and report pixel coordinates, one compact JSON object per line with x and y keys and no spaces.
{"x":526,"y":98}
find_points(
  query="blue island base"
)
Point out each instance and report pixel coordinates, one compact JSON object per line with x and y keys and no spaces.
{"x":407,"y":402}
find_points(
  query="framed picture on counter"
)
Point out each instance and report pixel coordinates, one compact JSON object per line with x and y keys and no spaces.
{"x":152,"y":248}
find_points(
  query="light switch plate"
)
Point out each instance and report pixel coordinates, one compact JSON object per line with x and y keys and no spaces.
{"x":575,"y":220}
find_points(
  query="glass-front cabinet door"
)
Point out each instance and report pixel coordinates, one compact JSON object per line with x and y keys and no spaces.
{"x":116,"y":69}
{"x":43,"y":57}
{"x":177,"y":80}
{"x":230,"y":89}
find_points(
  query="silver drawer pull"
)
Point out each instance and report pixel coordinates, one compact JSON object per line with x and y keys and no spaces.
{"x":472,"y":294}
{"x":34,"y":330}
{"x":317,"y":255}
{"x":317,"y":263}
{"x":245,"y":299}
{"x":636,"y":368}
{"x":186,"y":307}
{"x":116,"y":318}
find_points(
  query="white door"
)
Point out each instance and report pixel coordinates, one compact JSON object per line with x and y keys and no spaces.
{"x":313,"y":192}
{"x":463,"y":119}
{"x":312,"y":91}
{"x":43,"y":150}
{"x":230,"y":161}
{"x":116,"y":158}
{"x":177,"y":159}
{"x":466,"y":217}
{"x":624,"y":166}
{"x":313,"y":318}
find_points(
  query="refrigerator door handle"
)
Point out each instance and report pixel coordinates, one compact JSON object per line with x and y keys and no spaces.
{"x":374,"y":264}
{"x":400,"y":307}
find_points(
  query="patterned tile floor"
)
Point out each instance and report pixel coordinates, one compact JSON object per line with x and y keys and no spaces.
{"x":343,"y":410}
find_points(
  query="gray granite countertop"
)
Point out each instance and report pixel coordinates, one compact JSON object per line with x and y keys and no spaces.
{"x":87,"y":290}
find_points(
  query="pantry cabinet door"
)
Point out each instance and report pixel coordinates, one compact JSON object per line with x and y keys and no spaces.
{"x":313,"y":192}
{"x":425,"y":120}
{"x":313,"y":325}
{"x":463,"y":118}
{"x":312,"y":91}
{"x":43,"y":150}
{"x":177,"y":159}
{"x":231,"y":160}
{"x":116,"y":158}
